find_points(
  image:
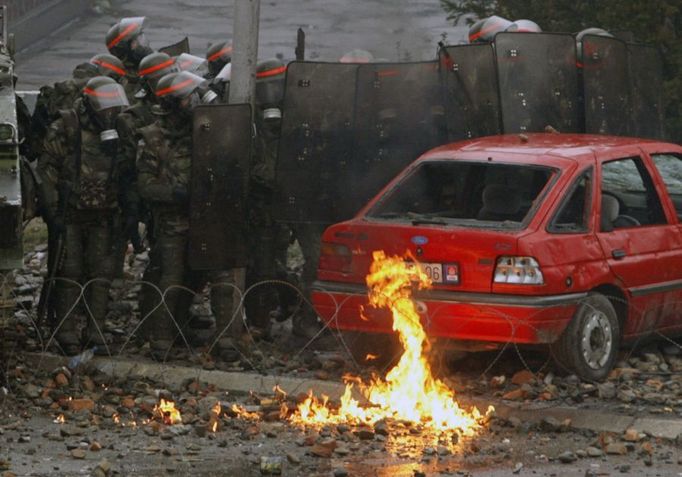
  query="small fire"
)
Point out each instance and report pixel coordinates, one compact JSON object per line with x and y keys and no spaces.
{"x":371,"y":357}
{"x":243,"y":413}
{"x":60,"y":419}
{"x":214,"y":426}
{"x":409,"y":391}
{"x":167,"y":411}
{"x":116,"y":418}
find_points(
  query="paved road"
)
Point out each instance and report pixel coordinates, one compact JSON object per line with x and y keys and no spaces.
{"x":391,"y":29}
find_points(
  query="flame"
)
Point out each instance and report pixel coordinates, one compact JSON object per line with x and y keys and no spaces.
{"x":116,"y":418}
{"x":409,"y":391}
{"x":243,"y":413}
{"x":216,"y":410}
{"x":167,"y":411}
{"x":60,"y":419}
{"x":371,"y":357}
{"x":214,"y":426}
{"x":280,"y":394}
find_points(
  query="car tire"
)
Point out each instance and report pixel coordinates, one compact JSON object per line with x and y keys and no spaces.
{"x":385,"y":347}
{"x":588,"y":347}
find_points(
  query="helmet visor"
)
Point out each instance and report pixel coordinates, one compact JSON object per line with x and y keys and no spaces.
{"x":182,"y":85}
{"x":270,"y":92}
{"x":192,"y":63}
{"x":106,"y":96}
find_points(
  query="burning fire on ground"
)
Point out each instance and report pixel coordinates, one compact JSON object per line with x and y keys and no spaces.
{"x":409,"y":392}
{"x":167,"y":412}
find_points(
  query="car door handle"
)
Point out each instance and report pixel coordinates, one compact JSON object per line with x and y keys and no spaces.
{"x":618,"y":254}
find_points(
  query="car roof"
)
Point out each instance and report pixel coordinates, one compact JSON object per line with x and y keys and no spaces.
{"x":571,"y":146}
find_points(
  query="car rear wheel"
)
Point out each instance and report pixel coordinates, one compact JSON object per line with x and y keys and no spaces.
{"x":589,"y":345}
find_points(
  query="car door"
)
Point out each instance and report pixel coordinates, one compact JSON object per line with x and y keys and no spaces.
{"x":668,"y":165}
{"x":635,"y":235}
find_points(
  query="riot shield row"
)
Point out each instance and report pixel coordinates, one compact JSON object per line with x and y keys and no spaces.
{"x":347,"y":129}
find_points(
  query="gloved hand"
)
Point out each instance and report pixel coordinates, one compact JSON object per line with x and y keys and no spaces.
{"x":180,"y":194}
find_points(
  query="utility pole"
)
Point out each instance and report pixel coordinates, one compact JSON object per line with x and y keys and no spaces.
{"x":245,"y":53}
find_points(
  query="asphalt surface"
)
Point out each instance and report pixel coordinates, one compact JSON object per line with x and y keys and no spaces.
{"x":395,"y":30}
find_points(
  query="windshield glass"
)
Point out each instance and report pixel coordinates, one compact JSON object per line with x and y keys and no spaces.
{"x":475,"y":194}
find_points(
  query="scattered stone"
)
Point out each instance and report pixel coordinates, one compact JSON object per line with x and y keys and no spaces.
{"x":103,"y":469}
{"x":340,"y":472}
{"x":594,"y":452}
{"x":517,"y":468}
{"x":293,"y":458}
{"x":381,"y":428}
{"x":606,"y":390}
{"x":78,"y":453}
{"x":550,"y":424}
{"x":624,"y":468}
{"x":271,"y":465}
{"x":523,"y":377}
{"x":498,"y":381}
{"x":365,"y":434}
{"x":342,"y":451}
{"x":616,"y":448}
{"x":515,"y":395}
{"x":567,"y":457}
{"x":95,"y":446}
{"x":319,"y":450}
{"x":76,"y":405}
{"x":632,"y":435}
{"x":61,"y":380}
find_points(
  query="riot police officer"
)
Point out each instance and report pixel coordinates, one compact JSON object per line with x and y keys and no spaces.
{"x":218,"y":55}
{"x":82,"y":177}
{"x":164,"y":168}
{"x":126,"y":40}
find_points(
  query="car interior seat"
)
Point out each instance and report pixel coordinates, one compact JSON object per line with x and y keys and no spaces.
{"x":500,"y":202}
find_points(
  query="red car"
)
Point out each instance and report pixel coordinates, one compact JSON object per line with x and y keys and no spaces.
{"x":573,"y":241}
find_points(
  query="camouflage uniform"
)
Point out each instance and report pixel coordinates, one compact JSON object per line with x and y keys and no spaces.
{"x":84,"y":191}
{"x":163,"y":174}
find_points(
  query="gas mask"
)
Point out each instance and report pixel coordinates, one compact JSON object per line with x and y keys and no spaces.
{"x":139,"y":48}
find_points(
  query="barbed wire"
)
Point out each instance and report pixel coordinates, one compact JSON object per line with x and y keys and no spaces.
{"x":46,"y":336}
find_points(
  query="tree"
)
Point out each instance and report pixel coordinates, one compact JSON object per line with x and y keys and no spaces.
{"x":656,"y":22}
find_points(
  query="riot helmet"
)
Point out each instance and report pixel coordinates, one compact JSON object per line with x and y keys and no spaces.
{"x":192,"y":63}
{"x":153,"y":67}
{"x":357,"y":56}
{"x":524,"y":26}
{"x":483,"y":31}
{"x":126,"y":40}
{"x":104,"y":98}
{"x":579,"y":40}
{"x":218,"y":55}
{"x":180,"y":92}
{"x":270,"y":76}
{"x":83,"y":72}
{"x":109,"y":65}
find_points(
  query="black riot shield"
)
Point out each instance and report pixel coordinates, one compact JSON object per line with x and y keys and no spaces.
{"x":470,"y":94}
{"x":316,"y":141}
{"x":538,"y":81}
{"x":222,"y":137}
{"x":399,"y":115}
{"x":176,"y":48}
{"x":646,"y":91}
{"x":605,"y":85}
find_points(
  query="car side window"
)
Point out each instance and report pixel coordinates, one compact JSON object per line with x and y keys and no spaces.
{"x":628,"y":196}
{"x":670,"y":168}
{"x":574,"y":212}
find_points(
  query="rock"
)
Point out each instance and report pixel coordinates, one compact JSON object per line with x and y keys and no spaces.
{"x":340,"y":472}
{"x":293,"y":458}
{"x":381,"y":428}
{"x":567,"y":457}
{"x":624,"y":468}
{"x":606,"y":390}
{"x":76,"y":405}
{"x":515,"y":395}
{"x":365,"y":434}
{"x":319,"y":450}
{"x":616,"y":448}
{"x":497,"y":382}
{"x":32,"y":391}
{"x":594,"y":452}
{"x":78,"y":453}
{"x":342,"y":450}
{"x":61,"y":380}
{"x":271,"y":465}
{"x":550,"y":424}
{"x":632,"y":435}
{"x":626,"y":395}
{"x":523,"y":377}
{"x":103,"y":469}
{"x":517,"y":468}
{"x":95,"y":446}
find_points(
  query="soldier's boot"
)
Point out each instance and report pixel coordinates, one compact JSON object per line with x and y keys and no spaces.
{"x":66,"y":326}
{"x":259,"y":304}
{"x":228,"y":319}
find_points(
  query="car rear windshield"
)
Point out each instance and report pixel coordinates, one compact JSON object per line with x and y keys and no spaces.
{"x":474,"y":194}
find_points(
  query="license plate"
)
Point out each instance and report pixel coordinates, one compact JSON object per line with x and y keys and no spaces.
{"x":441,"y":272}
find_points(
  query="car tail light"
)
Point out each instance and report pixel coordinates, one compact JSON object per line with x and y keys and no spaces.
{"x":521,"y":270}
{"x":335,"y":257}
